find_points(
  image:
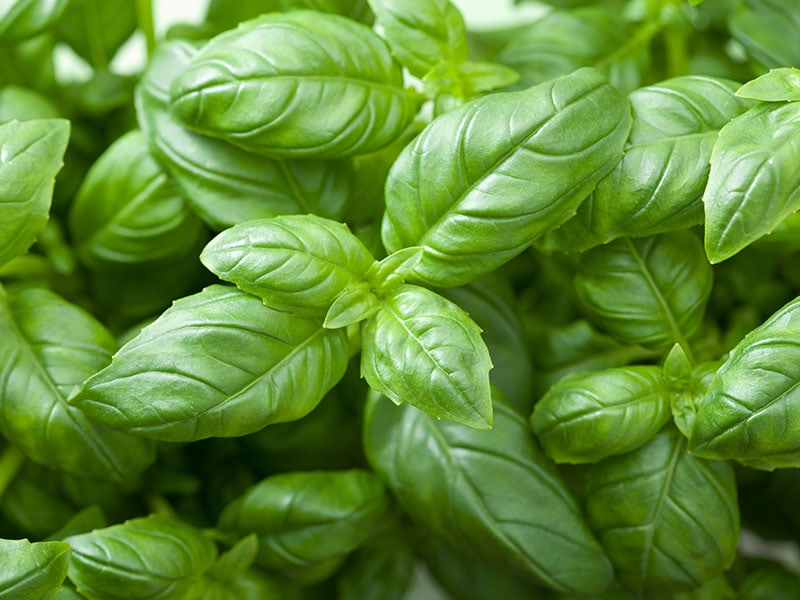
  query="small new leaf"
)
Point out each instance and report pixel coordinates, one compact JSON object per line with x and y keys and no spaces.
{"x":779,"y":85}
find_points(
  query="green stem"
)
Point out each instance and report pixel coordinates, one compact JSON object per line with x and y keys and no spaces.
{"x":94,"y":36}
{"x":144,"y":15}
{"x":11,"y":461}
{"x":677,"y":52}
{"x":642,"y":37}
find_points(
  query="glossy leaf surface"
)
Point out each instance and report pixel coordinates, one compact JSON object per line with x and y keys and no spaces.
{"x":650,"y":291}
{"x":491,"y":493}
{"x":754,"y":181}
{"x":22,"y":19}
{"x":154,"y":557}
{"x":224,"y":184}
{"x":669,"y":521}
{"x":258,"y":366}
{"x":586,"y":417}
{"x":776,"y":86}
{"x":293,"y":66}
{"x":483,"y":181}
{"x":49,"y":347}
{"x":421,"y":349}
{"x":299,"y":264}
{"x":748,"y":412}
{"x":32,"y":571}
{"x":31,"y":154}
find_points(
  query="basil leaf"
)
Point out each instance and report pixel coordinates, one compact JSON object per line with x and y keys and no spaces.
{"x":422,"y":349}
{"x":669,"y":521}
{"x":159,"y":385}
{"x":225,"y":15}
{"x":483,"y":181}
{"x":422,"y":33}
{"x":32,"y":571}
{"x":249,"y":585}
{"x":22,"y":19}
{"x":746,"y":413}
{"x":222,"y":183}
{"x":49,"y":347}
{"x":649,"y":291}
{"x":766,"y":29}
{"x":383,"y":569}
{"x":307,"y":522}
{"x":586,"y":417}
{"x":296,"y":263}
{"x":754,"y":182}
{"x":491,"y":493}
{"x":304,"y":62}
{"x":32,"y":154}
{"x":24,"y":104}
{"x":776,"y":86}
{"x":96,"y":29}
{"x":658,"y":184}
{"x":155,"y":557}
{"x":768,"y":582}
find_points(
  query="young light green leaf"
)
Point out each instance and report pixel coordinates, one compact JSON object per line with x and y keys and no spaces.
{"x":668,"y":521}
{"x":23,"y":19}
{"x":422,"y":33}
{"x":483,"y":181}
{"x":224,"y":184}
{"x":154,"y":557}
{"x":48,"y":347}
{"x":492,"y":493}
{"x":32,"y":571}
{"x":356,"y":303}
{"x":649,"y":291}
{"x":294,"y":66}
{"x":422,"y":349}
{"x":754,"y":182}
{"x":31,"y":154}
{"x":686,"y":396}
{"x":296,"y":263}
{"x":658,"y":184}
{"x":218,"y":363}
{"x":747,"y":413}
{"x":127,"y":211}
{"x":587,"y":417}
{"x":779,"y":85}
{"x":307,"y":522}
{"x":235,"y":561}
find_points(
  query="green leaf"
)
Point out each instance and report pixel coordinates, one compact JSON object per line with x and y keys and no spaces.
{"x":294,"y":66}
{"x":422,"y":349}
{"x":23,"y":19}
{"x":250,"y":585}
{"x":658,"y":184}
{"x":225,"y":15}
{"x":32,"y":153}
{"x":747,"y":413}
{"x":486,"y":76}
{"x":32,"y":571}
{"x":296,"y":263}
{"x":235,"y":561}
{"x":779,"y":85}
{"x":354,"y":304}
{"x":382,"y":569}
{"x":586,"y":417}
{"x":307,"y":522}
{"x":768,"y":29}
{"x":154,"y":557}
{"x":49,"y":347}
{"x":483,"y":181}
{"x":224,"y":184}
{"x":422,"y":33}
{"x":668,"y":521}
{"x":766,"y":583}
{"x":217,"y":363}
{"x":493,"y":494}
{"x":96,"y":29}
{"x":127,"y":211}
{"x":649,"y":291}
{"x":754,"y":182}
{"x":24,"y":104}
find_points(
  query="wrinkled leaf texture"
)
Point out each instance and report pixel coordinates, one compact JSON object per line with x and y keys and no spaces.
{"x":32,"y":571}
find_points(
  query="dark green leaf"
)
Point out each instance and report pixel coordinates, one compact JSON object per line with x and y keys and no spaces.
{"x":226,"y":15}
{"x":32,"y":571}
{"x":218,"y":363}
{"x":31,"y":154}
{"x":49,"y":347}
{"x":382,"y":570}
{"x":669,"y":521}
{"x":155,"y":557}
{"x":22,"y":19}
{"x":769,"y":583}
{"x":96,"y":29}
{"x":649,"y":291}
{"x":586,"y":417}
{"x":422,"y":349}
{"x":307,"y":522}
{"x":492,"y":493}
{"x":767,"y":29}
{"x":296,"y":263}
{"x":483,"y":181}
{"x":294,"y":66}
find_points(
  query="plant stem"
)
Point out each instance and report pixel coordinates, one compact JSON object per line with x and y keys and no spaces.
{"x":677,"y":52}
{"x":144,"y":15}
{"x":11,"y":461}
{"x":642,"y":37}
{"x":94,"y":36}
